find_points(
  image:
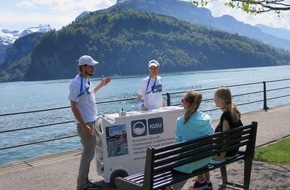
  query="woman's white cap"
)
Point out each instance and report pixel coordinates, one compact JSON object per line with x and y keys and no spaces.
{"x":153,"y":63}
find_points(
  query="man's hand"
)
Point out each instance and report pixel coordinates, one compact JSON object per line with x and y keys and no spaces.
{"x":87,"y":130}
{"x":105,"y":80}
{"x":144,"y":108}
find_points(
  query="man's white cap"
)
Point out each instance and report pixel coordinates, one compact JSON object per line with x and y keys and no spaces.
{"x":153,"y":63}
{"x":86,"y":60}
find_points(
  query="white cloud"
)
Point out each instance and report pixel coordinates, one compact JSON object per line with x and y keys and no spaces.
{"x":66,"y":5}
{"x":21,"y":14}
{"x":26,"y":4}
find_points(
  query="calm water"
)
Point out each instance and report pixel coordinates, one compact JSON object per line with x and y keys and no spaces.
{"x":39,"y":95}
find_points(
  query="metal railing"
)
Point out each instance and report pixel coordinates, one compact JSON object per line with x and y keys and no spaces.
{"x":245,"y":94}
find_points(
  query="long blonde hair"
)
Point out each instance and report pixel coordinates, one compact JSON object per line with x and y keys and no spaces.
{"x":194,"y":98}
{"x":225,"y":93}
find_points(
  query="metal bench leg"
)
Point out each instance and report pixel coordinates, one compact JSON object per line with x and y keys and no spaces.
{"x":247,"y":172}
{"x":224,"y":175}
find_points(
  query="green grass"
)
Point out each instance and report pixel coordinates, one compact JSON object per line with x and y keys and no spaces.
{"x":278,"y":152}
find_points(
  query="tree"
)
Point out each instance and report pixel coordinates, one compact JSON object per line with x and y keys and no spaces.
{"x":252,"y":6}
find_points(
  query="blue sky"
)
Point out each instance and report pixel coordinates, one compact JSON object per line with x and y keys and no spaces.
{"x":21,"y":14}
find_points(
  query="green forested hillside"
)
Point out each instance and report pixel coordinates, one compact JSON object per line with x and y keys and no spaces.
{"x":18,"y":58}
{"x":124,"y":41}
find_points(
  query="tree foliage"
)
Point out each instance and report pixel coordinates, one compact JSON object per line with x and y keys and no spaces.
{"x":252,"y":6}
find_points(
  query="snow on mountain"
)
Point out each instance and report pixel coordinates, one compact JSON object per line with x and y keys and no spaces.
{"x":39,"y":28}
{"x":8,"y":37}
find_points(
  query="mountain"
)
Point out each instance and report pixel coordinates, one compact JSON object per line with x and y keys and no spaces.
{"x":278,"y":32}
{"x":18,"y":57}
{"x":123,"y":39}
{"x":186,"y":11}
{"x":229,"y":24}
{"x":82,"y":15}
{"x":39,"y":28}
{"x":8,"y":37}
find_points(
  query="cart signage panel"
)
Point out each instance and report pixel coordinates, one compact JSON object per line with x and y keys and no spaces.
{"x":139,"y":128}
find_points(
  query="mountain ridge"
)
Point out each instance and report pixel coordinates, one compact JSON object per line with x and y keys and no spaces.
{"x":122,"y":40}
{"x":278,"y":32}
{"x":8,"y":37}
{"x":186,"y":11}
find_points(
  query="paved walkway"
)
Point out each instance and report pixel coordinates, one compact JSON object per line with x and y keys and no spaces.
{"x":58,"y":172}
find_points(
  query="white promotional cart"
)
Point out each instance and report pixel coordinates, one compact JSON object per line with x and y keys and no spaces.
{"x":122,"y":139}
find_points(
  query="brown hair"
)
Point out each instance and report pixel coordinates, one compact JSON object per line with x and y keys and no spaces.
{"x":225,"y":93}
{"x":194,"y":98}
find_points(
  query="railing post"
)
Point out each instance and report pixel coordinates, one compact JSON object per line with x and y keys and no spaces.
{"x":168,"y":99}
{"x":265,"y":96}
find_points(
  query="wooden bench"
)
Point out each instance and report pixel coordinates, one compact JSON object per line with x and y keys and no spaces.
{"x":160,"y":162}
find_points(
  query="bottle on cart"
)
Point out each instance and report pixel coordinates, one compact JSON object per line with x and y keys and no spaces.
{"x":141,"y":103}
{"x":122,"y":113}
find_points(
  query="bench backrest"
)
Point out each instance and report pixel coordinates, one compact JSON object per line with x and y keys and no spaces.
{"x":165,"y":158}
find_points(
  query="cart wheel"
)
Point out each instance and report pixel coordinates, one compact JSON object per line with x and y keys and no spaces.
{"x":117,"y":173}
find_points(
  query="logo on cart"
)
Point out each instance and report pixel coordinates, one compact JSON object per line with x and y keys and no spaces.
{"x":139,"y":128}
{"x":155,"y":125}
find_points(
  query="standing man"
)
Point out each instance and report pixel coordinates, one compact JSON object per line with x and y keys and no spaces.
{"x":83,"y":106}
{"x":150,"y":92}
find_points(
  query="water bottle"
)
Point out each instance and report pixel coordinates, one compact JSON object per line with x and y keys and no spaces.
{"x":122,"y":113}
{"x":140,"y":104}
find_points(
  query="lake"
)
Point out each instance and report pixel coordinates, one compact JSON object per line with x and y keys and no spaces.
{"x":40,"y":95}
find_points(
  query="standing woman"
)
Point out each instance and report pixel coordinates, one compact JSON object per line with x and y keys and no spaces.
{"x":230,"y":118}
{"x":194,"y":124}
{"x":150,"y":92}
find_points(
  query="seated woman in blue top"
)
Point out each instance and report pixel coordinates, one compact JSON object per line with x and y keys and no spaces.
{"x":194,"y":124}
